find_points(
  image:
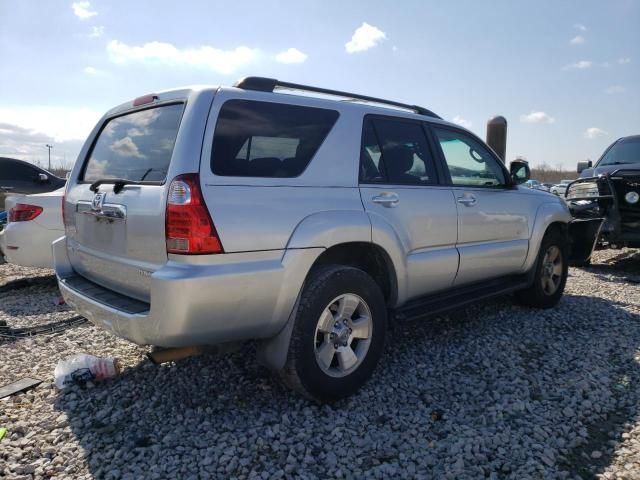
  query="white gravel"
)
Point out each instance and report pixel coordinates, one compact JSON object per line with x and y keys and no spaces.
{"x":493,"y":391}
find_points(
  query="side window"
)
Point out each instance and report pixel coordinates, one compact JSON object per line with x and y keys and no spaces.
{"x":396,"y":152}
{"x":469,"y":162}
{"x":16,"y":171}
{"x":371,"y":169}
{"x":265,"y":139}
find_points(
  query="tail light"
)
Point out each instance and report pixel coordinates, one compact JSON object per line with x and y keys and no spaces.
{"x":189,"y":228}
{"x":23,"y":212}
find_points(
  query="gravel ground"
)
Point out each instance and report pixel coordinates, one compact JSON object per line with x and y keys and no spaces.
{"x":493,"y":391}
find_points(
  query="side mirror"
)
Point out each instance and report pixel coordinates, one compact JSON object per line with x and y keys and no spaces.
{"x":43,"y":177}
{"x":520,"y":171}
{"x":582,"y":166}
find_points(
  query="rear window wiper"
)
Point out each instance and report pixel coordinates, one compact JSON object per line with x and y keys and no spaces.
{"x":118,"y":183}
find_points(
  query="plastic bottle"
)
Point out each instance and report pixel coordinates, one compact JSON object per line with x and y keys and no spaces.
{"x":84,"y":368}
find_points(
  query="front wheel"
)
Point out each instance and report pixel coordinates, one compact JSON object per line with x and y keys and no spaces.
{"x":338,"y":335}
{"x":550,"y":274}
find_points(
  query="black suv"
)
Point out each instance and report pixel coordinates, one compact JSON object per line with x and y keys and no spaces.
{"x":611,"y":189}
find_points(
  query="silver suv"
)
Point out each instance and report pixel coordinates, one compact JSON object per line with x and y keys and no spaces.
{"x":208,"y":216}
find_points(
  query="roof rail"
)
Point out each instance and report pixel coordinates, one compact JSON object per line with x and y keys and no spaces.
{"x":263,"y":84}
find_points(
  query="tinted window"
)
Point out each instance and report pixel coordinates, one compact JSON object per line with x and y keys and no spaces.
{"x":470,"y":163}
{"x":395,"y":151}
{"x":371,"y":170}
{"x":622,"y":152}
{"x":17,"y":171}
{"x":137,"y":146}
{"x":264,"y":139}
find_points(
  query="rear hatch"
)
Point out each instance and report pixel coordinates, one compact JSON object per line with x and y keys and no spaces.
{"x":115,"y":210}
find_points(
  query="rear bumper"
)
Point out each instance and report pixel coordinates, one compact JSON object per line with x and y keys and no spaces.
{"x":247,"y":296}
{"x":28,"y":244}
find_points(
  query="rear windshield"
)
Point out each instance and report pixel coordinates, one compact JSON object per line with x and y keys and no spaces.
{"x":137,"y":146}
{"x":264,"y":139}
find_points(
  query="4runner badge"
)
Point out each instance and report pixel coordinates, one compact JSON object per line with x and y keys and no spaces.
{"x":98,"y":201}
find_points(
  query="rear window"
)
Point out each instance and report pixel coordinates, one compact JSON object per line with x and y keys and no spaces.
{"x":137,"y":146}
{"x":263,"y":139}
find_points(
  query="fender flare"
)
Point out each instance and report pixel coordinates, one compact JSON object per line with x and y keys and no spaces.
{"x":329,"y":228}
{"x":547,"y":213}
{"x":321,"y":231}
{"x":386,"y":237}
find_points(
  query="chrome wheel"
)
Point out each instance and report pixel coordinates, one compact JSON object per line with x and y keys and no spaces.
{"x":551,"y":270}
{"x":343,"y":335}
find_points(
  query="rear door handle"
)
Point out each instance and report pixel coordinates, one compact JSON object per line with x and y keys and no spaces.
{"x":386,"y":199}
{"x":468,"y":200}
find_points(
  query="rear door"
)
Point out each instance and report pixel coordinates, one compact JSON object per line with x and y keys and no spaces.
{"x":400,"y":186}
{"x":493,"y":218}
{"x":116,"y":233}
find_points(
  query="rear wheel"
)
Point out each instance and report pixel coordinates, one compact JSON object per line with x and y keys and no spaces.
{"x":338,"y":335}
{"x":550,"y":274}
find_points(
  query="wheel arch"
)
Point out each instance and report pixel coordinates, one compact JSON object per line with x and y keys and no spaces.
{"x":548,"y":216}
{"x":369,"y":257}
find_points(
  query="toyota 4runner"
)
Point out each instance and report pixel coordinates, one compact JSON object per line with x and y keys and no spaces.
{"x":215,"y":215}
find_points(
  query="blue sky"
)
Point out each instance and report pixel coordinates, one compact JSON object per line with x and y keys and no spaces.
{"x":566,"y":74}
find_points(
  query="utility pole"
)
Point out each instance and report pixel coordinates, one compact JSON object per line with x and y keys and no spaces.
{"x":49,"y":147}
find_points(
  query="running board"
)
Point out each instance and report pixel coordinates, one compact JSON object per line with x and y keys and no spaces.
{"x":431,"y":305}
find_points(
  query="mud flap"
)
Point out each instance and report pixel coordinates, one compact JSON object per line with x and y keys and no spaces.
{"x":583,"y":235}
{"x":272,"y":352}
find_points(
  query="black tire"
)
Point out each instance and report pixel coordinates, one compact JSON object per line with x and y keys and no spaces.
{"x":536,"y":295}
{"x":302,"y":371}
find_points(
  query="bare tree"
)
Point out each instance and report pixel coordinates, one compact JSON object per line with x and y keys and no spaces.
{"x":544,"y":173}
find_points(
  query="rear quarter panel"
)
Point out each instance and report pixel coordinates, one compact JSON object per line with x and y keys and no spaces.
{"x":256,"y":213}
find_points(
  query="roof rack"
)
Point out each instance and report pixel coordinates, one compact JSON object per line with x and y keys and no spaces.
{"x":264,"y":84}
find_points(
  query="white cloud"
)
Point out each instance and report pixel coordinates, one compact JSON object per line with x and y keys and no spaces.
{"x":126,"y":147}
{"x":59,"y":123}
{"x":581,"y":65}
{"x":613,"y":89}
{"x":96,"y":32}
{"x":537,"y":117}
{"x":145,"y":118}
{"x":29,"y":144}
{"x":220,"y":61}
{"x":624,"y":60}
{"x":580,"y":27}
{"x":82,"y":10}
{"x":594,"y":132}
{"x":365,"y":37}
{"x":90,"y":71}
{"x":292,"y":55}
{"x":461,"y":121}
{"x":577,"y":40}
